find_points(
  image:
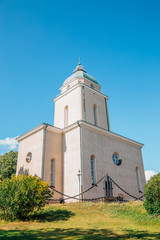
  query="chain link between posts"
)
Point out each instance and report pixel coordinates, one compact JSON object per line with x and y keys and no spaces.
{"x":92,"y":199}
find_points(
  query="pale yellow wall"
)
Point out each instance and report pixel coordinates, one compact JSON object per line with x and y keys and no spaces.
{"x":72,"y":99}
{"x":103,"y":146}
{"x":71,"y":161}
{"x":33,"y":144}
{"x":53,"y":150}
{"x":91,"y":98}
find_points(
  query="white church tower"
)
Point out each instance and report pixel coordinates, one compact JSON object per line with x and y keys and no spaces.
{"x":81,"y":99}
{"x":80,"y":152}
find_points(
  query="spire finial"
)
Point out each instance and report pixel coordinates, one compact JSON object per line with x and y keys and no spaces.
{"x":79,"y":67}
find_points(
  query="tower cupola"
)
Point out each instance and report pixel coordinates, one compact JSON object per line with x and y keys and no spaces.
{"x":80,"y":73}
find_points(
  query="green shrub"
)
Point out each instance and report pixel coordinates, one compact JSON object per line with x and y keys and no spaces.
{"x":152,"y":195}
{"x":8,"y":163}
{"x":21,"y":195}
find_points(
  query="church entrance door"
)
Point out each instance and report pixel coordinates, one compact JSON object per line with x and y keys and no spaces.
{"x":108,"y":187}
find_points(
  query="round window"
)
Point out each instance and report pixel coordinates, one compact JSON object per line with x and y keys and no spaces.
{"x":115,"y":159}
{"x":29,"y":157}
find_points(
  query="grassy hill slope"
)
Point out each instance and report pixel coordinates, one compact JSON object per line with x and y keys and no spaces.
{"x":85,"y":221}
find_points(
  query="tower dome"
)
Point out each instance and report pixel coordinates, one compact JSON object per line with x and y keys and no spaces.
{"x":80,"y":72}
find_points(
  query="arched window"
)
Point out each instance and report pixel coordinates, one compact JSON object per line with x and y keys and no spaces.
{"x":93,"y":169}
{"x":95,"y":114}
{"x":138,"y":180}
{"x":66,"y":116}
{"x":53,"y":172}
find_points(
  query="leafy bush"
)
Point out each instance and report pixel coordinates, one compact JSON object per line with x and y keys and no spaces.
{"x":8,"y":163}
{"x":152,"y":195}
{"x":21,"y":195}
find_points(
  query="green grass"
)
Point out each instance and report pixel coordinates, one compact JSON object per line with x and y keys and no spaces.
{"x":85,"y":221}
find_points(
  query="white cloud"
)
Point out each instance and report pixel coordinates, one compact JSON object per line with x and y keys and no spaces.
{"x":149,"y":174}
{"x":9,"y":143}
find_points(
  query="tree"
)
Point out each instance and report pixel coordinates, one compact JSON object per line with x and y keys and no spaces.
{"x":8,"y":163}
{"x":152,"y":195}
{"x":21,"y":195}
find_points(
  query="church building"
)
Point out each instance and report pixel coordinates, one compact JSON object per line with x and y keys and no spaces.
{"x":80,"y":155}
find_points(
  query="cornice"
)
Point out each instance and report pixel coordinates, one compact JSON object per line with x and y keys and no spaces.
{"x":111,"y":134}
{"x":37,"y":129}
{"x":75,"y":125}
{"x":103,"y":131}
{"x":34,"y":130}
{"x":76,"y":86}
{"x":78,"y":77}
{"x":70,"y":127}
{"x":54,"y":129}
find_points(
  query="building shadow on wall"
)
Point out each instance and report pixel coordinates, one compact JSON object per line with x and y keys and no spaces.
{"x":23,"y":171}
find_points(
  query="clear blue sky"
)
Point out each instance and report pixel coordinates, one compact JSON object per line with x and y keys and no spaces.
{"x":119,"y":44}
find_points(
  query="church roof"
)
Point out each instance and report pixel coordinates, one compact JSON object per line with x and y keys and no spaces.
{"x":80,"y":72}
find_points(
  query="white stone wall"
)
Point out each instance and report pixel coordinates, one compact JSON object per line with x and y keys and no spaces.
{"x":53,"y":150}
{"x":72,"y":99}
{"x":71,"y":161}
{"x":64,"y":146}
{"x":91,"y":98}
{"x":34,"y":144}
{"x":103,"y":146}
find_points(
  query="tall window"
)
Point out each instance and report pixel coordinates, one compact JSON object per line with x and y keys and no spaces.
{"x":53,"y":172}
{"x":138,"y":180}
{"x":66,"y":116}
{"x":93,"y":169}
{"x":95,"y":114}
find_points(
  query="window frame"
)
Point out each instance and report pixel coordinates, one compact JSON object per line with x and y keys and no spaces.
{"x":116,"y":159}
{"x":93,"y":170}
{"x":29,"y":157}
{"x":53,"y":171}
